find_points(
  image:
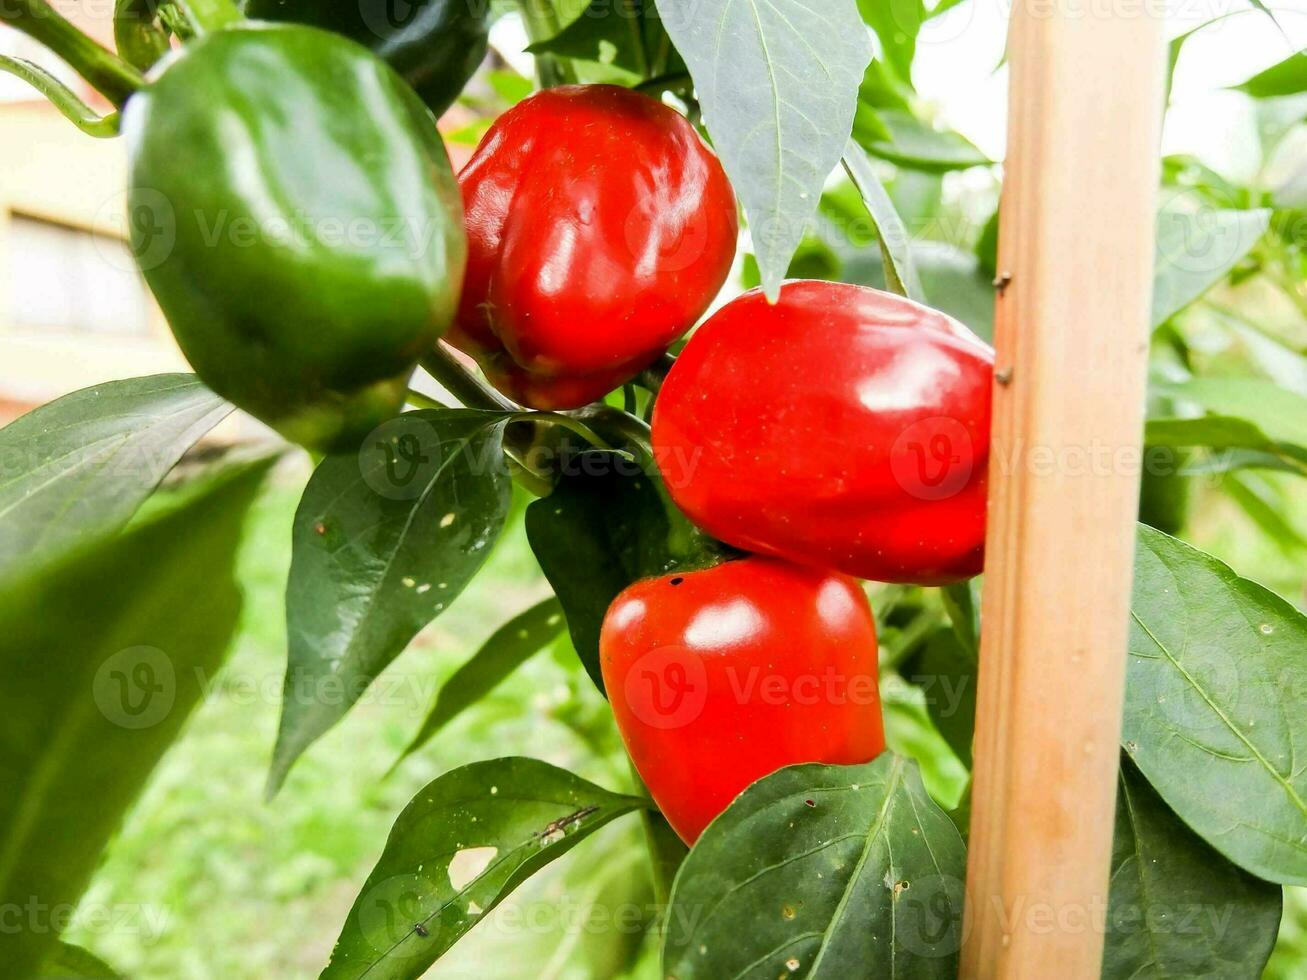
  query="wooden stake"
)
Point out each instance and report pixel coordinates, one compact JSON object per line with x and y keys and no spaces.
{"x":1072,"y":338}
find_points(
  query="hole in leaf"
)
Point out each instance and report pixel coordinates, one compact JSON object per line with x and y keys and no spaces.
{"x":468,"y":864}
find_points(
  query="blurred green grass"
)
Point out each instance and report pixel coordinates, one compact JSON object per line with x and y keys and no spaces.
{"x":206,"y":880}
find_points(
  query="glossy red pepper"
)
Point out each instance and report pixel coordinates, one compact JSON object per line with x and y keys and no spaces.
{"x":720,"y":677}
{"x":600,"y":228}
{"x":843,"y":427}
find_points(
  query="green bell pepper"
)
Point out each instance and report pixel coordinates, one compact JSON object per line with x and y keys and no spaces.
{"x":435,"y":44}
{"x":293,"y":210}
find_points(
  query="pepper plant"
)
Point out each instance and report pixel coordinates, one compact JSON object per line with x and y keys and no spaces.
{"x":699,"y":508}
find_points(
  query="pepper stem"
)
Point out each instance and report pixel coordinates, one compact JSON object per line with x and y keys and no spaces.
{"x":470,"y":390}
{"x":108,"y":74}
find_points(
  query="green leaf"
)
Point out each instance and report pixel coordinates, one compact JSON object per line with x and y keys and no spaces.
{"x":1260,"y":501}
{"x":78,"y":468}
{"x":919,"y":146}
{"x":950,"y":278}
{"x":62,"y":98}
{"x":1289,"y":77}
{"x":1280,"y":413}
{"x":511,"y":87}
{"x":1261,"y":6}
{"x":1230,"y":437}
{"x":943,"y":7}
{"x":1177,"y":45}
{"x":1197,"y":250}
{"x":954,"y":283}
{"x":601,"y":921}
{"x":465,"y":842}
{"x":778,"y":80}
{"x":606,"y":524}
{"x":1177,"y":909}
{"x":813,"y":259}
{"x":946,"y":672}
{"x":883,"y":88}
{"x":65,"y":961}
{"x":104,"y":655}
{"x":895,"y":242}
{"x":897,"y":23}
{"x":910,"y":732}
{"x":618,"y":33}
{"x":962,"y":603}
{"x":820,"y":871}
{"x":1213,"y":717}
{"x":1186,"y":172}
{"x":1244,"y":414}
{"x":383,"y":542}
{"x":918,"y":197}
{"x":508,"y":648}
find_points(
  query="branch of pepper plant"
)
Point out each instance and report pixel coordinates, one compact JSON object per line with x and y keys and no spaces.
{"x":651,"y":378}
{"x":679,"y":83}
{"x":474,"y":393}
{"x":108,"y":74}
{"x":666,"y":849}
{"x":542,"y":23}
{"x":463,"y":385}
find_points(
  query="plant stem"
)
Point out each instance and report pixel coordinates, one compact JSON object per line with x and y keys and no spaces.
{"x":470,"y":390}
{"x":575,"y":426}
{"x":473,"y":393}
{"x":679,"y":82}
{"x":652,"y":377}
{"x":541,"y":22}
{"x":424,"y":401}
{"x":63,"y":98}
{"x":618,"y":427}
{"x":108,"y":74}
{"x":666,"y":850}
{"x":636,"y":27}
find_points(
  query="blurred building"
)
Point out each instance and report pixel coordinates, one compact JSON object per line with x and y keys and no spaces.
{"x":73,"y":309}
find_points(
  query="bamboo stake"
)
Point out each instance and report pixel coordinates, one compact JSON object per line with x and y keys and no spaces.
{"x":1072,"y":339}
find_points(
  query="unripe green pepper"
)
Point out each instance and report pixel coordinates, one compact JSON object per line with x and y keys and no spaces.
{"x":435,"y":44}
{"x":295,"y":214}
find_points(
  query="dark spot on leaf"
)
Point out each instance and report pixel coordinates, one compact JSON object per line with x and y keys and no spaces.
{"x":421,"y":930}
{"x":809,"y":802}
